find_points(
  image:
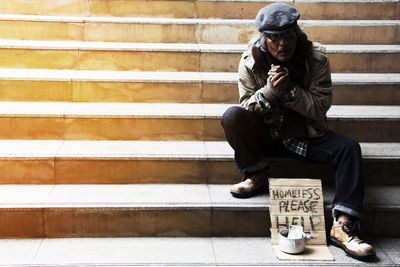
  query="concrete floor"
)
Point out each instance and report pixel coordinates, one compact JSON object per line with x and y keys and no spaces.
{"x":170,"y":252}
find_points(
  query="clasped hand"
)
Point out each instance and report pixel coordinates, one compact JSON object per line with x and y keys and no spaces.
{"x":278,"y":84}
{"x":279,"y":79}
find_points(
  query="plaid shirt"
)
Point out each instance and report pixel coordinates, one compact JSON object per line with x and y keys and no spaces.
{"x":291,"y":143}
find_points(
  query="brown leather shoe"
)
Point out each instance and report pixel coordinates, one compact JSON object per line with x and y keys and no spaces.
{"x":345,"y":236}
{"x":251,"y":185}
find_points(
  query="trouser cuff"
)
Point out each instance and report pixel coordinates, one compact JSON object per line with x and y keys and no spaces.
{"x":338,"y":209}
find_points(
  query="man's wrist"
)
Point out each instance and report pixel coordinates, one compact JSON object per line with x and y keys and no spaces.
{"x":290,"y":95}
{"x":262,"y":100}
{"x":269,"y":94}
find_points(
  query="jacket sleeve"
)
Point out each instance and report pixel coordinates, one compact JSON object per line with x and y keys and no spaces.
{"x":314,"y":101}
{"x":250,"y":89}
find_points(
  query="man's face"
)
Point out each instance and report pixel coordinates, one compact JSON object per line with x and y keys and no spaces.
{"x":282,"y":46}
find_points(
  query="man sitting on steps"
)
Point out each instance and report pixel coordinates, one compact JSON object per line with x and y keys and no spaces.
{"x":285,"y":92}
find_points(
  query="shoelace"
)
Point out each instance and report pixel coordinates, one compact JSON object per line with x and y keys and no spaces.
{"x":352,"y":229}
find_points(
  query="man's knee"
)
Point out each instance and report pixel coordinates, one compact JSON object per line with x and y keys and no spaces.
{"x":232,"y":116}
{"x":351,"y":144}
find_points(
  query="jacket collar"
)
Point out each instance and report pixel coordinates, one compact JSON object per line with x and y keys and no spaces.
{"x":260,"y":61}
{"x":296,"y":66}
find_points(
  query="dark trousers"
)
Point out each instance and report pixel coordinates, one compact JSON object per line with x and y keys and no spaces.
{"x":251,"y":140}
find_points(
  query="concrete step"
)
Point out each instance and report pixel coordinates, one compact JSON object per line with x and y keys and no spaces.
{"x":167,"y":251}
{"x":244,"y":9}
{"x":167,"y":30}
{"x":176,"y":57}
{"x":156,"y":210}
{"x":167,"y":121}
{"x":195,"y":162}
{"x":182,"y":87}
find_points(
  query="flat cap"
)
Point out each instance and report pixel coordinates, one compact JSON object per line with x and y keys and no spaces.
{"x":276,"y":18}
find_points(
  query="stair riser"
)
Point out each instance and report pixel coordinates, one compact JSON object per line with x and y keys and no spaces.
{"x":183,"y":92}
{"x":140,"y":8}
{"x":366,"y":94}
{"x":37,"y":128}
{"x":35,"y":90}
{"x":185,"y":33}
{"x":100,"y":60}
{"x":177,"y":61}
{"x":44,"y":7}
{"x":126,"y":222}
{"x":354,"y":34}
{"x":110,"y":222}
{"x":373,"y":130}
{"x":199,"y":9}
{"x":119,"y":8}
{"x":339,"y":10}
{"x":130,"y":170}
{"x":101,"y":164}
{"x":368,"y":131}
{"x":365,"y":63}
{"x":41,"y":30}
{"x":345,"y":10}
{"x":102,"y":129}
{"x":339,"y":62}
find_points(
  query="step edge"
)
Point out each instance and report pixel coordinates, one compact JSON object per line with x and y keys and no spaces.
{"x":11,"y":109}
{"x":199,"y":150}
{"x":187,"y":21}
{"x":177,"y":47}
{"x":261,"y":202}
{"x":172,"y":76}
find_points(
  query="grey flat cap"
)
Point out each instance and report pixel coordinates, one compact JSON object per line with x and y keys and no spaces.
{"x":276,"y":18}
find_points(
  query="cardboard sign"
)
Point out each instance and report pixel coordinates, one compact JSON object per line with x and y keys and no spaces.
{"x":298,"y":202}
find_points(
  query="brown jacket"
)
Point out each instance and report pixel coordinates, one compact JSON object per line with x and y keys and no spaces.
{"x":310,"y":102}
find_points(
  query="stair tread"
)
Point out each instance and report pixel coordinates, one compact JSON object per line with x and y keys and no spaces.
{"x":162,"y":196}
{"x":42,"y":157}
{"x":171,"y":76}
{"x":195,"y":21}
{"x":171,"y":251}
{"x":182,"y":47}
{"x":154,"y":150}
{"x":170,"y":110}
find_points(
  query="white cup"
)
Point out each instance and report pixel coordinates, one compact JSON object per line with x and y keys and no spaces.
{"x":292,"y":245}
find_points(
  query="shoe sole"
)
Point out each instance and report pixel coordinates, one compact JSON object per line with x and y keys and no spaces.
{"x":362,"y":257}
{"x":250,"y":194}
